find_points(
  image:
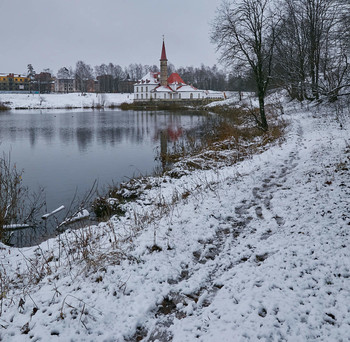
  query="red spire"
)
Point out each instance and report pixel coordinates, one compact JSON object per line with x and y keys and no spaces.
{"x":163,"y":56}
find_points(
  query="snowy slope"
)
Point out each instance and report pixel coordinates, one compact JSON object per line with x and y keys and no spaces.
{"x":71,"y":100}
{"x":255,"y":251}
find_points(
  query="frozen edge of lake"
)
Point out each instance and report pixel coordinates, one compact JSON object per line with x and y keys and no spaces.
{"x":59,"y":101}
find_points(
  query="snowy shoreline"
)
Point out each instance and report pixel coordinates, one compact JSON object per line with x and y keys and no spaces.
{"x":64,"y":101}
{"x":253,"y":251}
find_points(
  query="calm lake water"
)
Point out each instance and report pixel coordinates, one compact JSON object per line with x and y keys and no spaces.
{"x":64,"y":152}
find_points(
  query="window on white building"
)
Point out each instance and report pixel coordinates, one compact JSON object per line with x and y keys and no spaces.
{"x":165,"y":96}
{"x":142,"y":96}
{"x":179,"y":95}
{"x":141,"y":89}
{"x":191,"y":96}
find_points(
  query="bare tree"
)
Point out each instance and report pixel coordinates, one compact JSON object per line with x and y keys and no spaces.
{"x":320,"y":19}
{"x":345,"y":22}
{"x":244,"y":33}
{"x":337,"y":70}
{"x":65,"y":73}
{"x":83,"y":73}
{"x":334,"y":62}
{"x":31,"y":74}
{"x":311,"y":58}
{"x":109,"y":77}
{"x":291,"y":51}
{"x":118,"y":75}
{"x":154,"y":68}
{"x":170,"y":68}
{"x":101,"y":70}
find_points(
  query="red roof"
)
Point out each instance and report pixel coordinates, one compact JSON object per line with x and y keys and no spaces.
{"x":175,"y":77}
{"x":163,"y":56}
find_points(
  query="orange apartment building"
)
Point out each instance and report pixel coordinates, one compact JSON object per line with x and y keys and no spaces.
{"x":14,"y":82}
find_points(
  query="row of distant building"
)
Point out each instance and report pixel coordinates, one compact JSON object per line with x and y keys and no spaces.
{"x":44,"y":82}
{"x":153,"y":86}
{"x":148,"y":88}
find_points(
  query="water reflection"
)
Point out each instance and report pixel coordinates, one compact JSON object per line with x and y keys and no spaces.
{"x":62,"y":151}
{"x":85,"y":127}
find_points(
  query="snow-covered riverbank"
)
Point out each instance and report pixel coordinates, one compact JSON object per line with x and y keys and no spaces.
{"x":71,"y":100}
{"x":255,"y":251}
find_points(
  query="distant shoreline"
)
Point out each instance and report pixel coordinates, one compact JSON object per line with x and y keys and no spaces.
{"x":17,"y":101}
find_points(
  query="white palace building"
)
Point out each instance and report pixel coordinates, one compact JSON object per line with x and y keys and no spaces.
{"x":158,"y":86}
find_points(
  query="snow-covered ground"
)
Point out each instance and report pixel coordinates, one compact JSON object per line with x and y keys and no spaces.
{"x":254,"y":251}
{"x":71,"y":100}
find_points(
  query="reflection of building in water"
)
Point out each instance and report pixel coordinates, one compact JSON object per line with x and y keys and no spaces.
{"x":174,"y":133}
{"x":171,"y":134}
{"x":164,"y":148}
{"x":158,"y":86}
{"x":84,"y":137}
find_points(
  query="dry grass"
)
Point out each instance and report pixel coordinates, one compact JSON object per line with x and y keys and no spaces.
{"x":4,"y":286}
{"x":4,"y":107}
{"x":232,"y":138}
{"x":126,"y":106}
{"x":234,"y":130}
{"x":11,"y":193}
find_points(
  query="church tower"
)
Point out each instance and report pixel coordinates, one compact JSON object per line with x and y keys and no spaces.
{"x":163,"y":67}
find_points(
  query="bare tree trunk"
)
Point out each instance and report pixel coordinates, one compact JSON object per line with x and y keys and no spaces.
{"x":263,"y":122}
{"x":244,"y":32}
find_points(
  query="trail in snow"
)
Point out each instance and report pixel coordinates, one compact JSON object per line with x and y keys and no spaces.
{"x":257,"y":251}
{"x":265,"y":261}
{"x":219,"y":248}
{"x":285,"y":277}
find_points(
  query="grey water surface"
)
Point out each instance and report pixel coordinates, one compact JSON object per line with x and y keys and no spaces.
{"x":65,"y":151}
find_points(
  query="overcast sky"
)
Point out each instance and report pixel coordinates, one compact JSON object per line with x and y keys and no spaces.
{"x":56,"y":33}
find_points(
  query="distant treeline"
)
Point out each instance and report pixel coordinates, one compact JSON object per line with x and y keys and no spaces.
{"x":115,"y":78}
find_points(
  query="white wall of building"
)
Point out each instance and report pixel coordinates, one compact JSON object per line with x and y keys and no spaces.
{"x":148,"y":91}
{"x":143,"y":91}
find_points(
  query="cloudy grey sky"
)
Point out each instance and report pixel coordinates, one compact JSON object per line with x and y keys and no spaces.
{"x":56,"y":33}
